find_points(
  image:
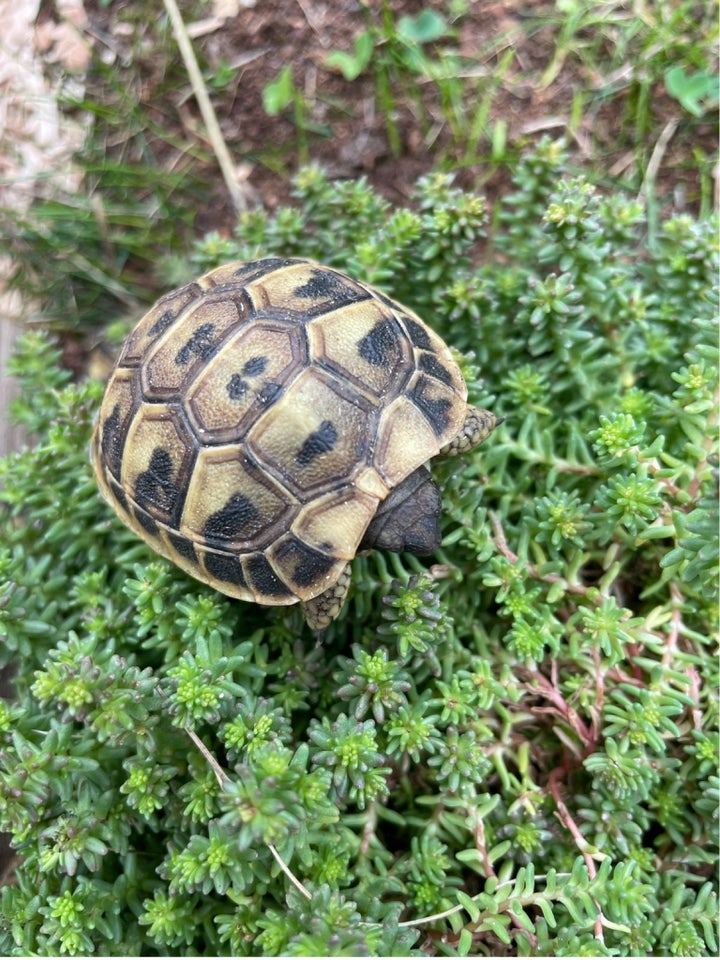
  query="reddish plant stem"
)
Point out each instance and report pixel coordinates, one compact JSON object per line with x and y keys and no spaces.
{"x":502,"y":545}
{"x":481,"y":848}
{"x":561,"y":708}
{"x":564,"y":816}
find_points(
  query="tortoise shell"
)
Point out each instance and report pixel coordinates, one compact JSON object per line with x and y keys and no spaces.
{"x":258,"y":416}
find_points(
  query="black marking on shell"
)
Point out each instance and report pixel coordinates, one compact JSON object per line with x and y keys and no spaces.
{"x":183,"y":545}
{"x":255,"y":366}
{"x":379,"y":346}
{"x":161,"y":324}
{"x":385,"y":299}
{"x":268,"y":392}
{"x":262,"y":267}
{"x":112,"y":440}
{"x":429,"y":363}
{"x":237,"y":386}
{"x":434,"y":409}
{"x":309,"y":566}
{"x":320,"y":441}
{"x":155,"y":486}
{"x":417,"y":333}
{"x":146,"y":522}
{"x":325,"y":285}
{"x":232,"y":521}
{"x":119,"y":495}
{"x":264,"y":579}
{"x":226,"y":568}
{"x":200,"y":344}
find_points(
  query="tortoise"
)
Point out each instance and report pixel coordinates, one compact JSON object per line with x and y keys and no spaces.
{"x":270,"y":420}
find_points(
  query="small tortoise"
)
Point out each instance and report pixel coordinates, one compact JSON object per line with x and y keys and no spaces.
{"x":269,"y":421}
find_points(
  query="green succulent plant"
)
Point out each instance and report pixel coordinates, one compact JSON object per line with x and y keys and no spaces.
{"x":509,"y":748}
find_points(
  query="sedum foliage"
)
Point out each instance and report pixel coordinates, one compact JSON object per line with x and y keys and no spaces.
{"x":511,"y":749}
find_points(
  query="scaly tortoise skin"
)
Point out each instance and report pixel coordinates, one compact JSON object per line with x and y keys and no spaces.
{"x":268,"y":421}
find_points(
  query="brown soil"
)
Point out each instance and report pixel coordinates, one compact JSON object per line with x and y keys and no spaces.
{"x":347,"y":129}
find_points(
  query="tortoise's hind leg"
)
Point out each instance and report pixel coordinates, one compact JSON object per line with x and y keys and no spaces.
{"x":323,"y":609}
{"x":478,"y":426}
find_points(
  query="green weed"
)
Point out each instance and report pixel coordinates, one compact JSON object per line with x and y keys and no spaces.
{"x":281,"y":93}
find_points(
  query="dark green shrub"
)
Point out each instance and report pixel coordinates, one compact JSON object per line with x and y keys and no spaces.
{"x":510,"y":749}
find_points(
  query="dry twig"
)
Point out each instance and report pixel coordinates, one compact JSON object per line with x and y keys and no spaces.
{"x":222,"y":778}
{"x":227,"y":168}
